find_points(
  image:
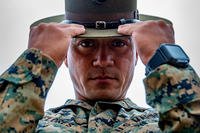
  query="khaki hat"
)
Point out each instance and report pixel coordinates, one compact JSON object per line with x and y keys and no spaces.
{"x":101,"y":18}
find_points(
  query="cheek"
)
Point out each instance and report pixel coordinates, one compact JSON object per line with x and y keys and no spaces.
{"x":127,"y":68}
{"x":77,"y":65}
{"x":72,"y":64}
{"x":126,"y":64}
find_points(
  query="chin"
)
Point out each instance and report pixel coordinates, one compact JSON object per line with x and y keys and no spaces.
{"x":104,"y":93}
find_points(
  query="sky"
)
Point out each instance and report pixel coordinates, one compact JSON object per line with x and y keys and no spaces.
{"x":17,"y":16}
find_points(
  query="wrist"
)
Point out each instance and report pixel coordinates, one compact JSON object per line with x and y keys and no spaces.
{"x":167,"y":54}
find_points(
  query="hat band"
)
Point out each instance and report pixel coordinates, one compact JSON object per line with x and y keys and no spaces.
{"x":102,"y":24}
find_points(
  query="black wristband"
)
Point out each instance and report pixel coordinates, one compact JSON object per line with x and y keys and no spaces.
{"x":168,"y":54}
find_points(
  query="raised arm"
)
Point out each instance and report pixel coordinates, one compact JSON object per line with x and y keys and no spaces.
{"x":173,"y":91}
{"x":24,"y":86}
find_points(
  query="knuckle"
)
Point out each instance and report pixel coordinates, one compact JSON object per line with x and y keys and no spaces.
{"x":51,"y":26}
{"x":42,"y":25}
{"x":33,"y":28}
{"x":150,"y":22}
{"x":162,"y":23}
{"x":159,"y":23}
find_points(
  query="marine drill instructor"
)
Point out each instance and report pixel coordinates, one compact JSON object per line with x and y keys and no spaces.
{"x":100,"y":42}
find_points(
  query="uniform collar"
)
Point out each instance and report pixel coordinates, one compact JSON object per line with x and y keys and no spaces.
{"x":126,"y":103}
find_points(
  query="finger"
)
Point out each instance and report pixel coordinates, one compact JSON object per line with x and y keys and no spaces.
{"x":74,"y":31}
{"x":126,"y":29}
{"x":69,"y":25}
{"x":60,"y":25}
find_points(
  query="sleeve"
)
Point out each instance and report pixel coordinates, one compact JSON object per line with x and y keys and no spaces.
{"x":23,"y":89}
{"x":175,"y":94}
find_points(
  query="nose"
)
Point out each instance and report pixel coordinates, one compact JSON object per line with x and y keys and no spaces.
{"x":103,"y":58}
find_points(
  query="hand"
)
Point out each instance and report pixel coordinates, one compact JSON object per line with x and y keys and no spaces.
{"x":53,"y":39}
{"x":147,"y":36}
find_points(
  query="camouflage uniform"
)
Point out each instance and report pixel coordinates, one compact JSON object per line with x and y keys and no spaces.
{"x":174,"y":93}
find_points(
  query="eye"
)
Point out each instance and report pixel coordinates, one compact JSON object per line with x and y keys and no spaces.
{"x":86,"y":43}
{"x":85,"y":46}
{"x":119,"y":43}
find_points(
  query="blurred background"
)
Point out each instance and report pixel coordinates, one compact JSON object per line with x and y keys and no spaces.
{"x":16,"y":16}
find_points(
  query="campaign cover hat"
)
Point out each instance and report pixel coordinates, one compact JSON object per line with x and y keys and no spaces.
{"x":101,"y":18}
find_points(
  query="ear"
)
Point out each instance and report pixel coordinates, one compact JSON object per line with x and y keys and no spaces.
{"x":66,"y":62}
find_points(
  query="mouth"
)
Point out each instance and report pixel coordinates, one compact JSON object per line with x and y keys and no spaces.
{"x":103,"y":79}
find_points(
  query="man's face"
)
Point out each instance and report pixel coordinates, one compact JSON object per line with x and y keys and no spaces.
{"x":101,"y":68}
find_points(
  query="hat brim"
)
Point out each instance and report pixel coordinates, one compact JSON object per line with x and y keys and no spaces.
{"x":92,"y":33}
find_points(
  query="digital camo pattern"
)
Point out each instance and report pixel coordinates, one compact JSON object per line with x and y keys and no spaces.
{"x":24,"y":86}
{"x":23,"y":89}
{"x":103,"y":117}
{"x":175,"y":93}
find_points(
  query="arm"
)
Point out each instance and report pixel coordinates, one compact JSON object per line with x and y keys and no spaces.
{"x":173,"y":92}
{"x":24,"y":86}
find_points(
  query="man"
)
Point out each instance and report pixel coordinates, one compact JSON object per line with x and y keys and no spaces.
{"x":101,"y":48}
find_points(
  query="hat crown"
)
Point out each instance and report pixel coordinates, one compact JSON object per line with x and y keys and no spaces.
{"x":100,"y":6}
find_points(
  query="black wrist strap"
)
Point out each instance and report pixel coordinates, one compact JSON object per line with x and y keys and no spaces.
{"x":154,"y":62}
{"x":168,"y":54}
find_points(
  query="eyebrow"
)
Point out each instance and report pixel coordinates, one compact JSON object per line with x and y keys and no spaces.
{"x":75,"y":39}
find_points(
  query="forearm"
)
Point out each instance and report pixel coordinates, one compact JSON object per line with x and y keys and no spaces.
{"x":175,"y":93}
{"x":23,"y":89}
